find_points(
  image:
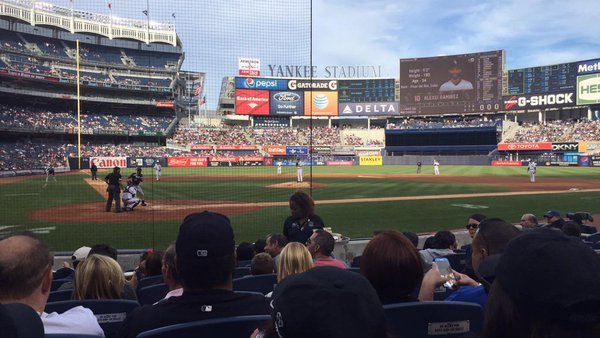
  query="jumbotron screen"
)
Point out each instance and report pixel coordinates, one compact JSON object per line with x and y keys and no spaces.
{"x":465,"y":83}
{"x":366,"y":90}
{"x":541,"y":80}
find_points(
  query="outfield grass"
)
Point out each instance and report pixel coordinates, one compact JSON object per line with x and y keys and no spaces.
{"x":353,"y":220}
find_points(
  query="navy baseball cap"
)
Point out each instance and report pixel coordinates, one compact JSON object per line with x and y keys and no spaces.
{"x":327,"y":302}
{"x":205,"y":235}
{"x":552,"y":213}
{"x":552,"y":275}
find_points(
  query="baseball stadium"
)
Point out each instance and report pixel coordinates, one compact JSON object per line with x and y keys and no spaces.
{"x":119,"y":120}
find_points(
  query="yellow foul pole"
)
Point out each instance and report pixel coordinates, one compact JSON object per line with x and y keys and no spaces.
{"x":78,"y":109}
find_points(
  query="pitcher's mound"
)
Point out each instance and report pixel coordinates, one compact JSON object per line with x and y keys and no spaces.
{"x":296,"y":185}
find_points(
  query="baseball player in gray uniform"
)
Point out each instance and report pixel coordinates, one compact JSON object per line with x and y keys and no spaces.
{"x":531,"y":169}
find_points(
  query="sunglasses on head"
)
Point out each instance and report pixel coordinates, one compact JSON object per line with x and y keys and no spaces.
{"x":472,"y":226}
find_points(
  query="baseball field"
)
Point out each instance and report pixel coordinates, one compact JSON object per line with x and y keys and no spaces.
{"x":354,"y":201}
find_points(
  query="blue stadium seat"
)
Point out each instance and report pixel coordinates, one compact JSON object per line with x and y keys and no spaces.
{"x":110,"y":312}
{"x":21,"y":320}
{"x":151,"y":294}
{"x":356,"y":262}
{"x":457,"y":261}
{"x":56,"y":283}
{"x":147,"y":281}
{"x":596,"y":246}
{"x":595,"y":238}
{"x":260,"y":283}
{"x":232,"y":327}
{"x":69,"y":335}
{"x":59,"y":296}
{"x":241,"y":272}
{"x":435,"y":318}
{"x":246,"y":263}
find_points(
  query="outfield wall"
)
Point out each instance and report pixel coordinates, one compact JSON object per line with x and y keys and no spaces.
{"x":443,"y":159}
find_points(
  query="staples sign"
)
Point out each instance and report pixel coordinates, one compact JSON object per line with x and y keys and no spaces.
{"x":109,"y":162}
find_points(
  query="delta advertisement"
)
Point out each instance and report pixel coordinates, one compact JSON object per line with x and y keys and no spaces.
{"x":371,"y":160}
{"x":287,"y":103}
{"x":369,"y":109}
{"x":251,"y":102}
{"x":321,"y":103}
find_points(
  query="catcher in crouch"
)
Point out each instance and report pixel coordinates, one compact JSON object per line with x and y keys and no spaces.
{"x":129,"y":199}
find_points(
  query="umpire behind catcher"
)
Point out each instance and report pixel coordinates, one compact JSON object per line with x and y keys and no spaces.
{"x":114,"y":189}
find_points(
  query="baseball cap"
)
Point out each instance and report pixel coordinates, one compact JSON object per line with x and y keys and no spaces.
{"x":205,"y":235}
{"x":551,"y":275}
{"x":552,"y":213}
{"x":80,"y":254}
{"x":327,"y":302}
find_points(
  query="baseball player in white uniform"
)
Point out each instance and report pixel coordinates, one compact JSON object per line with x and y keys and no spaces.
{"x":531,"y":169}
{"x":279,"y":164}
{"x":130,"y":200}
{"x":157,"y":169}
{"x":299,"y":171}
{"x":436,"y":167}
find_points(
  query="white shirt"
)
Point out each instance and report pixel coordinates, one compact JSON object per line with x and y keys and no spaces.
{"x":450,"y":86}
{"x":129,"y":192}
{"x":78,"y":320}
{"x":157,"y":167}
{"x":532,"y":166}
{"x":436,"y":163}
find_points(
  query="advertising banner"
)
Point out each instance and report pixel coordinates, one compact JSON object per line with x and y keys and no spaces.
{"x":236,"y":147}
{"x":321,"y":150}
{"x":296,"y":150}
{"x":164,"y":104}
{"x":507,"y":163}
{"x":525,"y":146}
{"x":287,"y":103}
{"x":271,"y":121}
{"x":364,"y":152}
{"x":584,"y":161}
{"x":589,"y":147}
{"x":321,"y":103}
{"x":371,"y":160}
{"x":248,"y":66}
{"x":186,"y":162}
{"x":565,"y":147}
{"x":236,"y":158}
{"x":562,"y":164}
{"x":309,"y":85}
{"x":109,"y":162}
{"x":201,"y":147}
{"x":260,"y":83}
{"x":338,"y":163}
{"x":588,"y":89}
{"x":343,"y":150}
{"x":588,"y":67}
{"x":522,"y":102}
{"x":369,"y":109}
{"x":251,"y":102}
{"x":145,"y":162}
{"x":275,"y":150}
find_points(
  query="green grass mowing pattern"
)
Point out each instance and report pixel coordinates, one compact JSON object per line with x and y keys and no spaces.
{"x":354,"y":220}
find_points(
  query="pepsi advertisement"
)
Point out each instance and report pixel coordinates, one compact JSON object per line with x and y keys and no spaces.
{"x":287,"y":103}
{"x":260,"y":83}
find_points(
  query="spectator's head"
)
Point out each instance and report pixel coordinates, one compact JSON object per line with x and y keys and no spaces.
{"x":546,"y":286}
{"x":320,"y":244}
{"x":153,"y":264}
{"x":412,"y":237}
{"x":576,"y":217}
{"x":259,"y":246}
{"x":244,"y":251}
{"x":302,"y":205}
{"x":393,"y":266}
{"x":572,"y":229}
{"x":105,"y":250}
{"x":428,"y":243}
{"x":552,"y":216}
{"x":205,"y":250}
{"x":473,"y":223}
{"x":99,"y":277}
{"x":528,"y":221}
{"x":79,"y":255}
{"x":262,"y":264}
{"x":169,"y":268}
{"x":327,"y":302}
{"x":274,"y":244}
{"x":444,"y":240}
{"x":25,"y":270}
{"x":294,"y":258}
{"x":491,"y":238}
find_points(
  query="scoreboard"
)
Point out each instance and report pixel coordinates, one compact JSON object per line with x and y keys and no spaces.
{"x":375,"y":90}
{"x":540,"y":80}
{"x":464,"y":83}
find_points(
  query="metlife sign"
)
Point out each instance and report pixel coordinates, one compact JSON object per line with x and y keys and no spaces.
{"x":260,"y":83}
{"x":588,"y":89}
{"x":588,"y":67}
{"x":522,"y":102}
{"x":369,"y":109}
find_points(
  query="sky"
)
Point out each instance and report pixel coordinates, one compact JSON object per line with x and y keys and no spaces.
{"x":377,"y":32}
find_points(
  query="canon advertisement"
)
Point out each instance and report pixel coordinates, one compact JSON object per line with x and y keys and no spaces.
{"x":109,"y":162}
{"x":542,"y":101}
{"x":287,"y":103}
{"x":369,"y":109}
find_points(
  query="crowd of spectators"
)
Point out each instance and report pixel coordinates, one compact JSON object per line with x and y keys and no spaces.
{"x":443,"y":123}
{"x":557,"y":131}
{"x":31,"y":155}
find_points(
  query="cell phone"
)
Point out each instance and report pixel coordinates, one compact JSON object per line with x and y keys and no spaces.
{"x":446,"y":271}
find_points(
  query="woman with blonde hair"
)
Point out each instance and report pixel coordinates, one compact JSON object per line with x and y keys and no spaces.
{"x":99,"y":277}
{"x":294,"y":258}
